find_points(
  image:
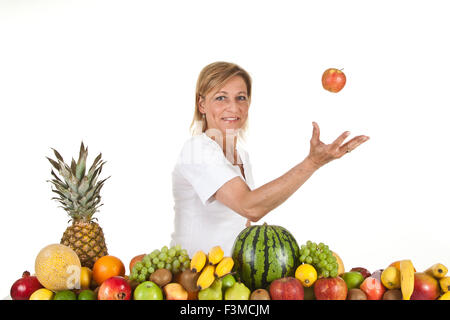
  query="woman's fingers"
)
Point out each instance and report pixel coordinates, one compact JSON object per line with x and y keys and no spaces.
{"x":353,"y":144}
{"x":316,"y":133}
{"x":336,"y":143}
{"x":323,"y":153}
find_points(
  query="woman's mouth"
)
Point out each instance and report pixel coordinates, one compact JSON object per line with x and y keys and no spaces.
{"x":231,"y":119}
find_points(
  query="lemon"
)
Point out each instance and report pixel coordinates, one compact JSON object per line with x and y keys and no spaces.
{"x":42,"y":294}
{"x":85,"y":278}
{"x":306,"y":274}
{"x":390,"y":277}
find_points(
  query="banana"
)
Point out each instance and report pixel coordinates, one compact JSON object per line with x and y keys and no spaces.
{"x":206,"y":277}
{"x":445,"y":284}
{"x":406,"y":278}
{"x":437,"y":271}
{"x":224,"y":267}
{"x":445,"y":296}
{"x":215,"y":255}
{"x":198,"y":261}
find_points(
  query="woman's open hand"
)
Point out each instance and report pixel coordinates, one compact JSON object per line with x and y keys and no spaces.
{"x":321,"y":153}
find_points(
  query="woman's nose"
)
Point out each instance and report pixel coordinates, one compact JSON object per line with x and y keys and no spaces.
{"x":233,"y":105}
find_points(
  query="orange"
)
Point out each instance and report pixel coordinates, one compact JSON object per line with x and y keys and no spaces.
{"x":107,"y":267}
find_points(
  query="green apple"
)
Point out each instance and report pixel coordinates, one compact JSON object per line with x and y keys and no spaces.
{"x":237,"y":292}
{"x":227,"y":282}
{"x":213,"y":292}
{"x":148,"y":290}
{"x":353,"y":279}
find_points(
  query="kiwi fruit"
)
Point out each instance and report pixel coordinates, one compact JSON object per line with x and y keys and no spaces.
{"x":356,"y":294}
{"x":188,"y":279}
{"x":133,"y":283}
{"x":260,"y":294}
{"x":161,"y":277}
{"x":309,"y":293}
{"x":393,"y":294}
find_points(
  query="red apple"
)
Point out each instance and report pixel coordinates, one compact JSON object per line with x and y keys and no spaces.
{"x":425,"y":287}
{"x":288,"y":288}
{"x":373,"y":287}
{"x":330,"y":289}
{"x":23,"y":288}
{"x":363,"y":271}
{"x":115,"y":288}
{"x":333,"y":80}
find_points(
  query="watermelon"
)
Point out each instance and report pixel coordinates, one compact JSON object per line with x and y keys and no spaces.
{"x":263,"y":253}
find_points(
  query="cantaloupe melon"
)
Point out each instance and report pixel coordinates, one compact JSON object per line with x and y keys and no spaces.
{"x":58,"y":268}
{"x":341,"y":268}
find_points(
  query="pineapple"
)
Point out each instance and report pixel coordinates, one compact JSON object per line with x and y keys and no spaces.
{"x":79,"y":195}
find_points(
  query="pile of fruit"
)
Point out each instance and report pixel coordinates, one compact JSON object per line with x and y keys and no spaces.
{"x":212,"y":276}
{"x":266,"y":262}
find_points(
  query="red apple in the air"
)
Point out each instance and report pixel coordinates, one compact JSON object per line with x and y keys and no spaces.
{"x":330,"y":289}
{"x":115,"y":288}
{"x":288,"y":288}
{"x":425,"y":287}
{"x":333,"y":80}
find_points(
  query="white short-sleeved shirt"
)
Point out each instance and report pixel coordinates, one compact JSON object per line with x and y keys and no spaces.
{"x":202,"y":222}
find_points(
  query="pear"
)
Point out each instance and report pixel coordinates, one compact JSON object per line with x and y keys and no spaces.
{"x":237,"y":292}
{"x":213,"y":292}
{"x":188,"y":279}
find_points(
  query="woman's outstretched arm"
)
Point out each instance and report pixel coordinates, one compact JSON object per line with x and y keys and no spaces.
{"x":257,"y":203}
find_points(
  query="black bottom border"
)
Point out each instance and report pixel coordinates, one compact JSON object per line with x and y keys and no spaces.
{"x":227,"y":309}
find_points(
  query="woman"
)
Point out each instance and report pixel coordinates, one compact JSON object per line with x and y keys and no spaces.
{"x":212,"y":181}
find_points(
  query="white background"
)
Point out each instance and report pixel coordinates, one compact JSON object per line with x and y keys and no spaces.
{"x":120,"y":75}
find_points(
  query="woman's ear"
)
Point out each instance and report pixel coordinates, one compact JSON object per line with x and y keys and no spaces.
{"x":201,"y":104}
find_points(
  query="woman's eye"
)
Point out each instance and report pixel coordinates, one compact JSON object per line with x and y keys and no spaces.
{"x":242,"y":98}
{"x":221,"y":98}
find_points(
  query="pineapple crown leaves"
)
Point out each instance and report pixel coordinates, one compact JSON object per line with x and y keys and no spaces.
{"x":78,"y":191}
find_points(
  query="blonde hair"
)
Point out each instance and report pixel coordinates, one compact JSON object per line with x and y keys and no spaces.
{"x":213,"y":76}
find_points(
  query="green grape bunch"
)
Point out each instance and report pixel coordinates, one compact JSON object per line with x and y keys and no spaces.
{"x":320,"y":257}
{"x":174,"y":259}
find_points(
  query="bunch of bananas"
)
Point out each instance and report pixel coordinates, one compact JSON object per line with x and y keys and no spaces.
{"x":439,"y":272}
{"x":211,"y":266}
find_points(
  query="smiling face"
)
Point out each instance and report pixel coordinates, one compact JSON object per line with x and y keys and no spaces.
{"x":226,"y":108}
